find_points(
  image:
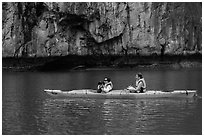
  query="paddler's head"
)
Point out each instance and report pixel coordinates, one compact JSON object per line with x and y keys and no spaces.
{"x":100,"y":83}
{"x":138,"y":76}
{"x":106,"y":80}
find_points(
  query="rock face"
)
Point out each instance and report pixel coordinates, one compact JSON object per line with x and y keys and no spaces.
{"x":100,"y":28}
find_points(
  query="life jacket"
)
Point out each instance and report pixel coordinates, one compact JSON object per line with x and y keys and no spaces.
{"x":143,"y":88}
{"x":108,"y":84}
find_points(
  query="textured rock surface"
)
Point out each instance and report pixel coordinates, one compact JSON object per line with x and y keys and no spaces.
{"x":58,"y":29}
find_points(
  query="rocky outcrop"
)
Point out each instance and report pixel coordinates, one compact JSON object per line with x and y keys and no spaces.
{"x":101,"y":28}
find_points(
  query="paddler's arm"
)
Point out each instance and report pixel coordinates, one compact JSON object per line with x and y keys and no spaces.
{"x":138,"y":86}
{"x":111,"y":85}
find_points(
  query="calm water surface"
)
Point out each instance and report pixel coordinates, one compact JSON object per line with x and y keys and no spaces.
{"x":28,"y":110}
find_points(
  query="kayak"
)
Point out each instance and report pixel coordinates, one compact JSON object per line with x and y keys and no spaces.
{"x":121,"y":94}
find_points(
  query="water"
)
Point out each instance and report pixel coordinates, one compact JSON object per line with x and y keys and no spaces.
{"x":28,"y":110}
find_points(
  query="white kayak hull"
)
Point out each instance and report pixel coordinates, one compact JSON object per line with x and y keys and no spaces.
{"x":121,"y":94}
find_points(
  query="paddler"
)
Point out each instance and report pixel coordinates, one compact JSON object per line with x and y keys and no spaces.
{"x":108,"y":85}
{"x":140,"y":85}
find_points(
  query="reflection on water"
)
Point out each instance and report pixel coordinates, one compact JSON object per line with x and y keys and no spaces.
{"x":80,"y":116}
{"x":27,"y":110}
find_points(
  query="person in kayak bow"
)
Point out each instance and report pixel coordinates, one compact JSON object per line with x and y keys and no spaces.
{"x":140,"y":85}
{"x":108,"y":85}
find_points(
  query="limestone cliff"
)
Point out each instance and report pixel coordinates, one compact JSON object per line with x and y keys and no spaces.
{"x":95,"y":28}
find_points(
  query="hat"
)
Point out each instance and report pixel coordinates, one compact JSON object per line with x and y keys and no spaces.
{"x":105,"y":79}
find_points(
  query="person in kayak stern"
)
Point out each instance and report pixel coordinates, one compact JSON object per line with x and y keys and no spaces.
{"x":140,"y":84}
{"x":108,"y":85}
